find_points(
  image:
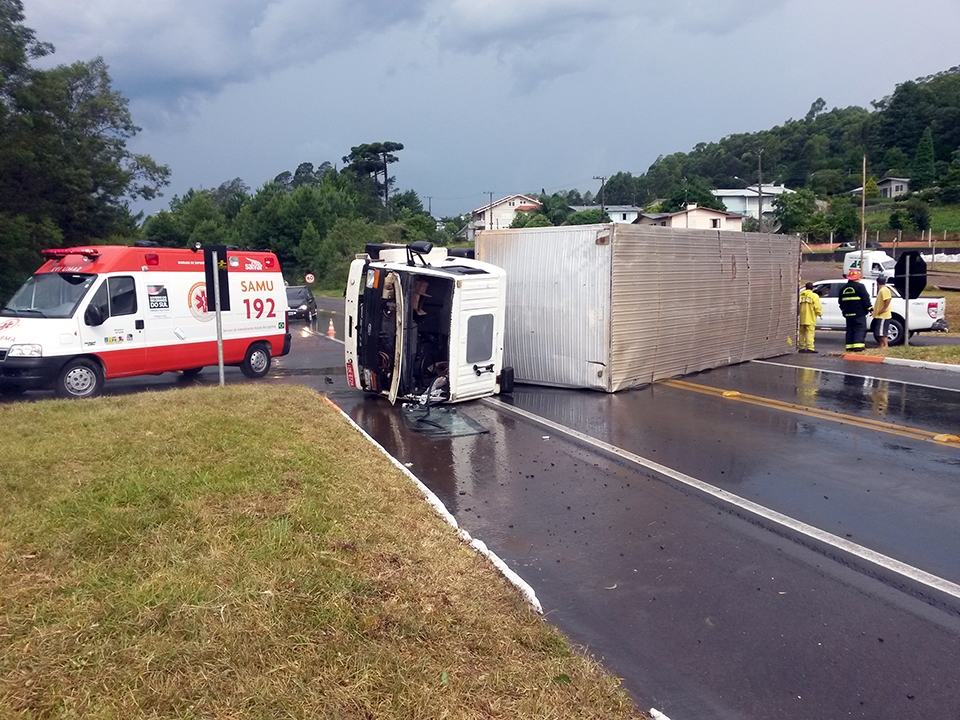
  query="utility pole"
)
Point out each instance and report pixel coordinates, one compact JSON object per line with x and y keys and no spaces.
{"x":430,"y":205}
{"x":603,"y":181}
{"x":490,"y":193}
{"x":760,"y":190}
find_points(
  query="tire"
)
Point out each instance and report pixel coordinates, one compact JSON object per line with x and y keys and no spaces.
{"x":256,"y":363}
{"x":895,"y":332}
{"x":80,"y":378}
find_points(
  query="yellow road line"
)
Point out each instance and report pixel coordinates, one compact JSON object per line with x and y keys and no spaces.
{"x":867,"y":423}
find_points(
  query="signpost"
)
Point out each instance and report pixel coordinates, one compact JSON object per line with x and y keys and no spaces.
{"x":218,"y":288}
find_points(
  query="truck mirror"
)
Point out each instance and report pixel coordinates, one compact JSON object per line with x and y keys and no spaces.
{"x":93,"y":316}
{"x":422,"y":247}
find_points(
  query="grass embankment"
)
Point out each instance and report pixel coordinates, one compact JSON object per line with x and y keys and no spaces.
{"x":242,"y":552}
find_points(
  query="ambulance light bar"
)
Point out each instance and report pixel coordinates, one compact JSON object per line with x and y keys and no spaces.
{"x":60,"y":253}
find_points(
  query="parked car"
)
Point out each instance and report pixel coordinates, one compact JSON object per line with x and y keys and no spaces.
{"x":302,"y":304}
{"x":927,"y":314}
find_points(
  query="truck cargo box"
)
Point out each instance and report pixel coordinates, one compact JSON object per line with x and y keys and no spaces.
{"x":610,"y":307}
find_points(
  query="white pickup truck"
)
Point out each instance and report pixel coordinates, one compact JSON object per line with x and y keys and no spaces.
{"x":927,"y":314}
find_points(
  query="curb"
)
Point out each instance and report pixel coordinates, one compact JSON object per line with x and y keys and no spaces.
{"x":856,"y":357}
{"x":478,"y":545}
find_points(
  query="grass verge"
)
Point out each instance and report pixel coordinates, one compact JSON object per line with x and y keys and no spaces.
{"x":949,"y":354}
{"x":241,"y":552}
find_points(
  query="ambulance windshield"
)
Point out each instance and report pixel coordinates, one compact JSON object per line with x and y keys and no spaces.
{"x":49,"y":295}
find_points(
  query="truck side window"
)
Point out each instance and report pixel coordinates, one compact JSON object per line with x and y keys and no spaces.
{"x":479,"y":338}
{"x":123,"y":296}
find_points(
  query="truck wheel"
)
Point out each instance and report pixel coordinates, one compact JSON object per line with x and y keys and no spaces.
{"x":256,"y":364}
{"x":895,"y":333}
{"x":80,"y":378}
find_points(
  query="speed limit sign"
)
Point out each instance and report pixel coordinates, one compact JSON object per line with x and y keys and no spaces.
{"x":309,"y":278}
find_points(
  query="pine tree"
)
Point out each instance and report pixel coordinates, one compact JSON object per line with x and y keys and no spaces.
{"x":924,"y":168}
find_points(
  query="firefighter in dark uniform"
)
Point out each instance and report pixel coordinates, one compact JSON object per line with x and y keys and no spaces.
{"x":855,"y":304}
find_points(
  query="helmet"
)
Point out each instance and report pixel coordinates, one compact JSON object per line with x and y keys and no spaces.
{"x":854,"y":274}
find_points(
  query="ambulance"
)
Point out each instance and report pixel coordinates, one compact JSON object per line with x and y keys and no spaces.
{"x":95,"y":313}
{"x":424,"y":325}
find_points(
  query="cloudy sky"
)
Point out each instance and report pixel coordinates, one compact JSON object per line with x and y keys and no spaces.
{"x":486,"y":95}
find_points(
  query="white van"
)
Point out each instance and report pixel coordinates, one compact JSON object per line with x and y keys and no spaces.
{"x":425,"y":326}
{"x":102,"y":312}
{"x":875,"y":263}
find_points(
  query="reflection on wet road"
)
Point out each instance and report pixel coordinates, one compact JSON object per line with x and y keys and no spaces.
{"x":702,"y":614}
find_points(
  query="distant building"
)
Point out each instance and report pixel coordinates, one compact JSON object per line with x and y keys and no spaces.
{"x":617,"y":213}
{"x":744,"y":201}
{"x":694,"y":216}
{"x":889,"y":187}
{"x":500,"y":213}
{"x":893,"y":187}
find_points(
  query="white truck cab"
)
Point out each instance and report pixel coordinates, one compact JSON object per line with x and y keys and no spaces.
{"x":875,"y":263}
{"x":425,"y":326}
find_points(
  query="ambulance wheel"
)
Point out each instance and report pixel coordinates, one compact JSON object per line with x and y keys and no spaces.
{"x":256,"y":364}
{"x":80,"y":378}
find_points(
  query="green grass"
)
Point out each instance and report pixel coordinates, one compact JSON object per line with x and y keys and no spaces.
{"x":949,"y":354}
{"x":942,"y":218}
{"x":241,"y":552}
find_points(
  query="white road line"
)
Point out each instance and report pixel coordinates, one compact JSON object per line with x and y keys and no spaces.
{"x":850,"y":374}
{"x":478,"y":545}
{"x":866,"y":554}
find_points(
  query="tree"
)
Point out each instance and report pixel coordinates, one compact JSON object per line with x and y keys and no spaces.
{"x":588,"y":217}
{"x":373,"y":159}
{"x":919,"y":213}
{"x":687,"y":191}
{"x":66,"y":174}
{"x":924,"y":168}
{"x":794,"y":211}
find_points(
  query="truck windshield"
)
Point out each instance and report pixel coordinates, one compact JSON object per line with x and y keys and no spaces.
{"x":49,"y":295}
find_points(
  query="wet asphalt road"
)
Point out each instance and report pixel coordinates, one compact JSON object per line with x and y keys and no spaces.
{"x":704,"y":610}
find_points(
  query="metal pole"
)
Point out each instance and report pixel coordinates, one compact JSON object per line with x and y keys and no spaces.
{"x":906,"y":306}
{"x":760,"y":190}
{"x":216,"y":305}
{"x":863,"y":213}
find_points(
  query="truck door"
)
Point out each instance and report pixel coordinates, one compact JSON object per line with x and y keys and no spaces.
{"x":112,"y":327}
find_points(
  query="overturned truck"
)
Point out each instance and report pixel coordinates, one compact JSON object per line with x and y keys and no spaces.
{"x":610,"y":307}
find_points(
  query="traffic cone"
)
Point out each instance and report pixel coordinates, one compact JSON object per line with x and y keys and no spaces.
{"x":331,"y":331}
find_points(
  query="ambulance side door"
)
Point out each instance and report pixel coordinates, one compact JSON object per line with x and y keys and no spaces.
{"x":112,"y":326}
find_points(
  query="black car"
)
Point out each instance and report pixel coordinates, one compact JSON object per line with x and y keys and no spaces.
{"x":302,"y":303}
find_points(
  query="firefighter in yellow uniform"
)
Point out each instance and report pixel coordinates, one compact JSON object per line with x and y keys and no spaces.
{"x":810,"y":309}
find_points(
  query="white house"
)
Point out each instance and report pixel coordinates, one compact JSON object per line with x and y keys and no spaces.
{"x":890,"y":187}
{"x":617,"y":213}
{"x":694,"y":216}
{"x":893,"y":187}
{"x":500,"y":213}
{"x":744,"y":201}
